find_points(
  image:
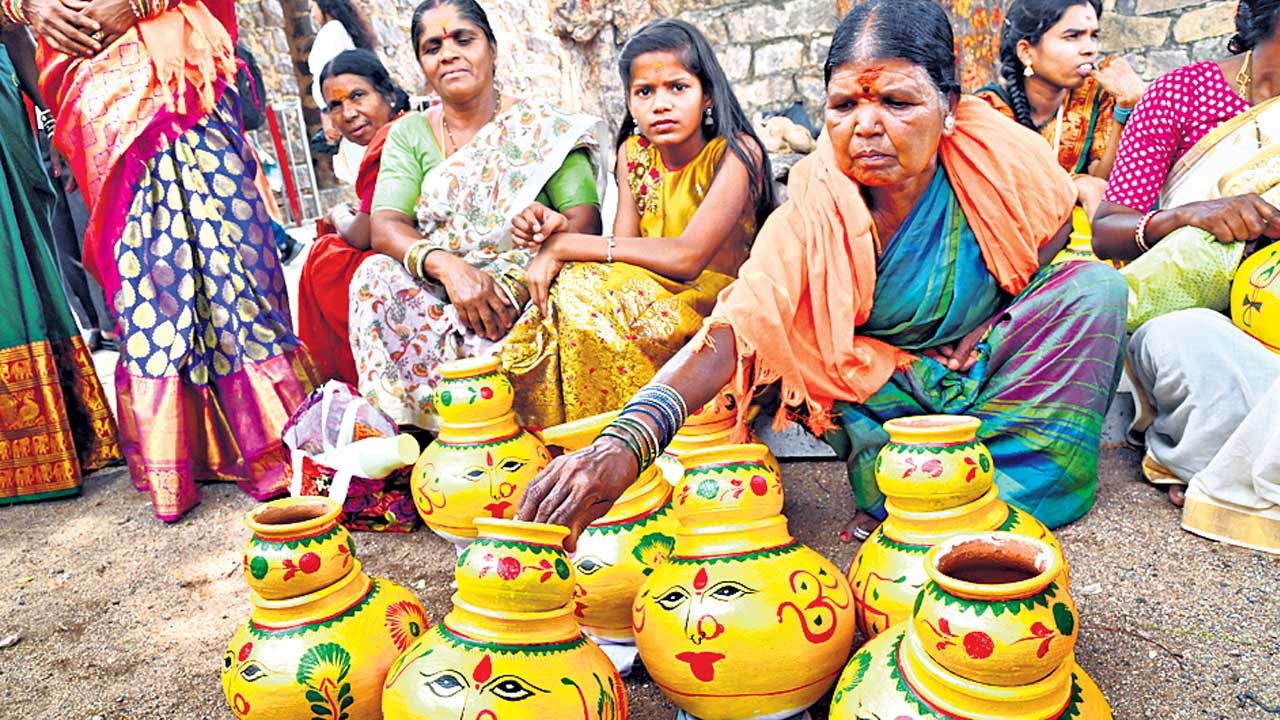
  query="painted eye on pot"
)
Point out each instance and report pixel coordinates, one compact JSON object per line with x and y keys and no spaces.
{"x":252,"y":672}
{"x":227,"y":662}
{"x":729,"y":590}
{"x":513,"y":689}
{"x":591,"y":565}
{"x":511,"y":465}
{"x":475,"y":474}
{"x":673,"y":598}
{"x":445,"y":683}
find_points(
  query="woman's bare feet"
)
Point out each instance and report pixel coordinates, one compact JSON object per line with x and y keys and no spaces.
{"x":859,"y":528}
{"x":1177,"y":495}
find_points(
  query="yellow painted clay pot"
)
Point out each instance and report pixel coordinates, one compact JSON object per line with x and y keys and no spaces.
{"x":481,"y":461}
{"x":933,"y":462}
{"x":617,"y":552}
{"x":329,"y":646}
{"x":888,"y":571}
{"x":742,"y":621}
{"x":473,"y":390}
{"x":997,"y":616}
{"x":995,"y":609}
{"x":1255,"y":296}
{"x":510,"y":648}
{"x":297,"y":547}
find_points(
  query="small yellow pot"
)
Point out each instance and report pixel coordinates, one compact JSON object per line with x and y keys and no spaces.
{"x":481,"y":462}
{"x":297,"y":547}
{"x":888,"y":571}
{"x":995,"y":609}
{"x":742,"y":621}
{"x":472,"y":390}
{"x":975,"y":647}
{"x":510,"y":648}
{"x":933,"y":462}
{"x":617,"y":552}
{"x":1255,"y":296}
{"x":327,"y":647}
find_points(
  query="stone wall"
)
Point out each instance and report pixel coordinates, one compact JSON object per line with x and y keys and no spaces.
{"x":566,"y":51}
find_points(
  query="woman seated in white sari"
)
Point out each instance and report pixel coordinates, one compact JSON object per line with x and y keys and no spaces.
{"x":1200,"y":166}
{"x":448,"y":282}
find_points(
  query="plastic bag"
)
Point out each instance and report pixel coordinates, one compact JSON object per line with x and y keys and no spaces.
{"x":319,"y":438}
{"x":1186,"y":269}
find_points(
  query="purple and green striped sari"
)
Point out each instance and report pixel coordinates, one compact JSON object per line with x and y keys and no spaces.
{"x":1047,"y":371}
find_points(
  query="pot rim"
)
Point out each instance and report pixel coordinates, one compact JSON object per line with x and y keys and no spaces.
{"x":521,"y":531}
{"x":309,"y":526}
{"x":933,"y":429}
{"x":1047,"y":562}
{"x":467,"y":368}
{"x":752,"y":453}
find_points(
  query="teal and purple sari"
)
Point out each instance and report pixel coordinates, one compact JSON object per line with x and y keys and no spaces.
{"x":1047,"y":371}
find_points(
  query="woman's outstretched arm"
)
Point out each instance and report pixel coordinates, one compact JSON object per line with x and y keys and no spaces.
{"x":577,"y":488}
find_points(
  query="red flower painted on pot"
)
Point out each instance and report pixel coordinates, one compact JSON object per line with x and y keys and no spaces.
{"x":245,"y":651}
{"x":979,"y":645}
{"x":486,"y":392}
{"x":508,"y":568}
{"x":307,"y":564}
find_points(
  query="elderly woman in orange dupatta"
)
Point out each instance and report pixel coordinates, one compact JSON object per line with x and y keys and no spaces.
{"x":363,"y":103}
{"x":179,"y":238}
{"x":907,"y":273}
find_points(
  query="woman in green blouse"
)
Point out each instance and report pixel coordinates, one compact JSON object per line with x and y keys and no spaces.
{"x":448,"y":282}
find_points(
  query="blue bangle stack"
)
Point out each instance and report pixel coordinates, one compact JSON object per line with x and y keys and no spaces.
{"x":666,"y":411}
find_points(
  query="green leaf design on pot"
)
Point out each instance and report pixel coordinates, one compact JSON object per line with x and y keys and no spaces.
{"x":323,"y":670}
{"x":562,"y":569}
{"x":653,"y":545}
{"x":856,"y":670}
{"x":1064,"y":619}
{"x":707,"y":488}
{"x":446,"y":398}
{"x":984,"y":461}
{"x":259,"y":567}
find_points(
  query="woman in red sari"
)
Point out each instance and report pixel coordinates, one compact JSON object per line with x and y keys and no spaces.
{"x":179,"y":238}
{"x":363,"y":102}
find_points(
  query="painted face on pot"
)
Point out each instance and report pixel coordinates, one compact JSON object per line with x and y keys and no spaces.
{"x":478,"y":485}
{"x":885,"y":119}
{"x":256,"y":687}
{"x":714,"y":614}
{"x":449,"y":681}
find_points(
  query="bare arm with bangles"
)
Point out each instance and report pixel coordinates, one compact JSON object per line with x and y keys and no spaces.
{"x":577,"y":488}
{"x":1116,"y":228}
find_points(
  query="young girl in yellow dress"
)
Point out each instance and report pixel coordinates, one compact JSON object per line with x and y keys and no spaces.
{"x":694,"y":184}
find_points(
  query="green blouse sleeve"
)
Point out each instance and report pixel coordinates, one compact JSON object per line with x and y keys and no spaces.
{"x":411,"y":151}
{"x":572,"y":185}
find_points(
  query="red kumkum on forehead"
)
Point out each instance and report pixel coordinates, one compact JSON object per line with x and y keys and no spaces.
{"x":869,"y":77}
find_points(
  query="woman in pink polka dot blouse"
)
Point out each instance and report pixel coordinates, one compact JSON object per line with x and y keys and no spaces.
{"x":1176,"y":112}
{"x":1208,"y":394}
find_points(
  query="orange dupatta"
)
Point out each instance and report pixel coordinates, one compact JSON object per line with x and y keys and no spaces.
{"x":810,"y":280}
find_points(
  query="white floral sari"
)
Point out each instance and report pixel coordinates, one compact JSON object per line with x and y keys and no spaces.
{"x":402,"y":329}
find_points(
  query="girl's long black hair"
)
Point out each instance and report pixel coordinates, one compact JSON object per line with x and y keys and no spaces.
{"x":727,"y":117}
{"x":367,"y":65}
{"x":1255,"y":22}
{"x":1029,"y":20}
{"x":352,"y":19}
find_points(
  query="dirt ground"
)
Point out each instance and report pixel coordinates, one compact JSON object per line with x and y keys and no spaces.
{"x":121,"y":616}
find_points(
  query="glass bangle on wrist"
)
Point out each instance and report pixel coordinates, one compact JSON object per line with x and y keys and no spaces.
{"x":610,"y":244}
{"x":1121,"y":114}
{"x":1140,"y":235}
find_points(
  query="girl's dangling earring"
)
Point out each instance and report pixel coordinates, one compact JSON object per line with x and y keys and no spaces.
{"x":706,"y":117}
{"x":1027,"y":71}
